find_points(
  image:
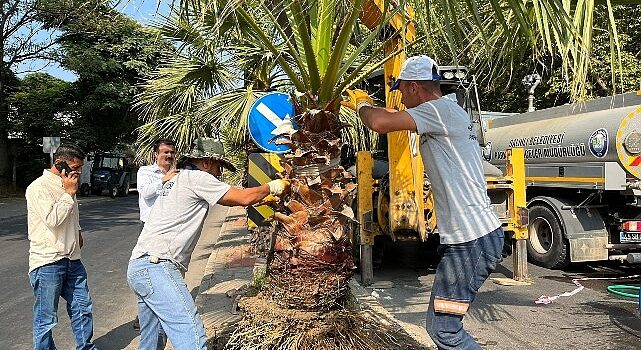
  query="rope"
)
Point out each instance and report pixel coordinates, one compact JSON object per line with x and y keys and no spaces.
{"x":546,"y":299}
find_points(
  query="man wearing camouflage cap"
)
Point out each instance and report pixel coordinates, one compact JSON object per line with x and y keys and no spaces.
{"x":162,"y":253}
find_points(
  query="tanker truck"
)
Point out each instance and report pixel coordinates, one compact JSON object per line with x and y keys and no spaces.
{"x":583,"y":166}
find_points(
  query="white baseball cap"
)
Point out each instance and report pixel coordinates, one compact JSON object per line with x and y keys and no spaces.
{"x":417,"y":68}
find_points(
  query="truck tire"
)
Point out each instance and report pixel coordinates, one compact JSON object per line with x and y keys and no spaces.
{"x":124,"y":189}
{"x":546,"y":246}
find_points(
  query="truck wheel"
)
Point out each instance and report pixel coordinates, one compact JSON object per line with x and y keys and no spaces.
{"x":124,"y":190}
{"x":546,"y":246}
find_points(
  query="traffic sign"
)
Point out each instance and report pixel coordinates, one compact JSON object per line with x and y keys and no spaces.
{"x":269,"y":117}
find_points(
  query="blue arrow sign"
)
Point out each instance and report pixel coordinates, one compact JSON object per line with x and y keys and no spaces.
{"x":269,"y":117}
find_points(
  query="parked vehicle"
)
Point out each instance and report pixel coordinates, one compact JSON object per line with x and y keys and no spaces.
{"x":582,"y":173}
{"x":113,"y":173}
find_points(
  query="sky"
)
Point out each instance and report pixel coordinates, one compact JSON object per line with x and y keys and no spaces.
{"x":141,"y":10}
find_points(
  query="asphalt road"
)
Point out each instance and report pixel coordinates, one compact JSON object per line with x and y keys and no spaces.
{"x":110,"y":232}
{"x":506,"y":317}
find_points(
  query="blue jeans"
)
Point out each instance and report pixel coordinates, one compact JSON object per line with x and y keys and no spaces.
{"x":461,"y":272}
{"x":163,"y":300}
{"x":67,"y":279}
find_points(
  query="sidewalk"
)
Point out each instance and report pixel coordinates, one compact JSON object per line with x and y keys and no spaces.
{"x":230,"y":267}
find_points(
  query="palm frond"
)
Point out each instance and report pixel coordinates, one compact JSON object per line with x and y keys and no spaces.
{"x":507,"y":31}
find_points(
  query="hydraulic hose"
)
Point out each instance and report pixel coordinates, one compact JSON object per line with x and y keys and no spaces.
{"x":619,"y":289}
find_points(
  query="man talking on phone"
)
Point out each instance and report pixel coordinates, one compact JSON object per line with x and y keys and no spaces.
{"x":55,"y":269}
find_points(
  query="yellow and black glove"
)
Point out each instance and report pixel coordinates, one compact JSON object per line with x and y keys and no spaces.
{"x":356,"y":99}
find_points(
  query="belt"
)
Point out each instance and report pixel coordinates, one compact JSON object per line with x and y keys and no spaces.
{"x":155,"y":260}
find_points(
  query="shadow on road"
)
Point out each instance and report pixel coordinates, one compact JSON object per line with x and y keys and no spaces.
{"x":14,"y":228}
{"x":620,"y":317}
{"x":117,"y":338}
{"x":98,"y":216}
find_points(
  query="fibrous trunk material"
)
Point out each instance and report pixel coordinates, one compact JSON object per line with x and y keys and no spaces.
{"x":266,"y":326}
{"x":312,"y":261}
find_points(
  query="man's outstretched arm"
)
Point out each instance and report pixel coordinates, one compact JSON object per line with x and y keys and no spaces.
{"x":384,"y":120}
{"x":247,"y":196}
{"x":381,"y":120}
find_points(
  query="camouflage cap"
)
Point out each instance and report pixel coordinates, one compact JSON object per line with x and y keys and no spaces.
{"x":208,"y":147}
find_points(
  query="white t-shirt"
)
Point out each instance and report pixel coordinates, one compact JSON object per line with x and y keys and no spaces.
{"x":176,"y":219}
{"x":452,"y":160}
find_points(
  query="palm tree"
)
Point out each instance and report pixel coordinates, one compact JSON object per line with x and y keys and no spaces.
{"x":315,"y":50}
{"x":216,"y":42}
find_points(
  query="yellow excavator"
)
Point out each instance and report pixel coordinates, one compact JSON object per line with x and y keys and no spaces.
{"x":394,"y":197}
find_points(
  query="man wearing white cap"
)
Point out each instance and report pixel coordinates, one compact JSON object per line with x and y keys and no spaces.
{"x":162,"y":253}
{"x":470,"y":233}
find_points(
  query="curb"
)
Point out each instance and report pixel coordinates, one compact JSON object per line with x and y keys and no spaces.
{"x":230,"y":267}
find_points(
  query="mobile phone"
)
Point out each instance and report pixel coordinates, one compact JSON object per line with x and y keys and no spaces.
{"x":62,"y":165}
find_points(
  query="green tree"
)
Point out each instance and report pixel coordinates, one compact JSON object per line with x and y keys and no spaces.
{"x":111,"y":54}
{"x":223,"y":64}
{"x":613,"y":65}
{"x":40,"y":106}
{"x":21,"y":39}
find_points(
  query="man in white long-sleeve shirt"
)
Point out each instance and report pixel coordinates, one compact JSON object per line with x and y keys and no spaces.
{"x":151,"y":177}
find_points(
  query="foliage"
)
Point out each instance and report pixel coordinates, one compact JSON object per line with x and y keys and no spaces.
{"x":21,"y":39}
{"x":603,"y":80}
{"x":497,"y":36}
{"x":200,"y":91}
{"x":40,"y":106}
{"x":230,"y":52}
{"x":111,"y":54}
{"x":499,"y":76}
